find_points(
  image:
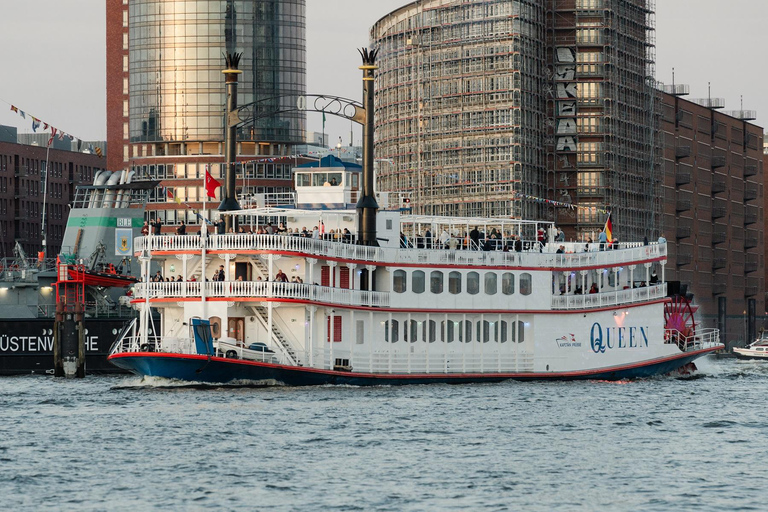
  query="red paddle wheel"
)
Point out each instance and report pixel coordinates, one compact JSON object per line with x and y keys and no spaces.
{"x":679,"y":322}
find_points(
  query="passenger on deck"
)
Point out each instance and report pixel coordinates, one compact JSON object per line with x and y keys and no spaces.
{"x":333,"y":182}
{"x":560,"y":250}
{"x":593,"y":288}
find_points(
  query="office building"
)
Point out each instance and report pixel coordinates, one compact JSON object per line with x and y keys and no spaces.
{"x":166,"y":96}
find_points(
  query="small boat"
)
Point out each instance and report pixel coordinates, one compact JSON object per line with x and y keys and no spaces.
{"x":438,"y":300}
{"x":758,"y":349}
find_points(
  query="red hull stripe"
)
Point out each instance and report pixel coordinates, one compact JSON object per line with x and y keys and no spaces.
{"x":554,"y":375}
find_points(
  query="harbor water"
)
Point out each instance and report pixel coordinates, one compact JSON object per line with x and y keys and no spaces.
{"x":120,"y":443}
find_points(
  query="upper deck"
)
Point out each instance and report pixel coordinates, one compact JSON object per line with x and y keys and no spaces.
{"x":574,"y":257}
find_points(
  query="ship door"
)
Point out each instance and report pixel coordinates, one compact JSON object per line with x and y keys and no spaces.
{"x":344,"y":281}
{"x":365,"y":278}
{"x":242,"y":269}
{"x":236,"y":328}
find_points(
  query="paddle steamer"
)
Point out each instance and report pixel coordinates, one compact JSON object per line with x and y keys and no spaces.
{"x":291,"y":298}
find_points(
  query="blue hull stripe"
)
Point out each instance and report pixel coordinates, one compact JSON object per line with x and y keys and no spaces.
{"x":218,"y":370}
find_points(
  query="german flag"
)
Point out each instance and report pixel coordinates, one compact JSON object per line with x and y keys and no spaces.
{"x":609,"y":229}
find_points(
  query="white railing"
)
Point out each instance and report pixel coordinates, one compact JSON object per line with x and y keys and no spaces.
{"x":704,"y":338}
{"x":262,"y":289}
{"x":390,"y":255}
{"x":446,"y":363}
{"x":613,"y":298}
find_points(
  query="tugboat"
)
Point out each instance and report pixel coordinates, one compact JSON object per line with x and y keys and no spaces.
{"x":291,"y":298}
{"x":97,"y":254}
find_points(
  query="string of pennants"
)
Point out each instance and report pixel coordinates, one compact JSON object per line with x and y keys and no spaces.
{"x":560,"y":204}
{"x":39,"y":124}
{"x":289,"y":157}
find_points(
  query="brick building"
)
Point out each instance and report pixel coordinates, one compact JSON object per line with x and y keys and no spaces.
{"x":713,"y":213}
{"x":22,"y":186}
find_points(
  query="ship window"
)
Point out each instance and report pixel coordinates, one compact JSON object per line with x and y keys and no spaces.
{"x":417,"y":281}
{"x":302,"y":179}
{"x":503,"y":333}
{"x":215,"y":327}
{"x":490,"y":283}
{"x":446,"y":331}
{"x":483,"y":331}
{"x":336,"y":329}
{"x":410,"y":330}
{"x":360,"y":332}
{"x":432,"y":334}
{"x":436,"y":282}
{"x":465,"y":331}
{"x":394,"y":332}
{"x":454,"y":282}
{"x":508,"y":283}
{"x":398,"y":281}
{"x":473,"y":283}
{"x":518,"y":332}
{"x":525,"y":283}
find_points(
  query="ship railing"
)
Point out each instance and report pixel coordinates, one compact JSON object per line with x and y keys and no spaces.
{"x":262,"y":289}
{"x":386,"y":362}
{"x":610,"y":298}
{"x":701,"y":339}
{"x":531,"y":257}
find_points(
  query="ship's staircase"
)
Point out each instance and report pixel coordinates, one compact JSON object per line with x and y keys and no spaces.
{"x":277,"y":336}
{"x":261,"y":266}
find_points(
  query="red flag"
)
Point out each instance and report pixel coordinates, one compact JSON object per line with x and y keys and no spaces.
{"x":53,"y":134}
{"x":210,"y":184}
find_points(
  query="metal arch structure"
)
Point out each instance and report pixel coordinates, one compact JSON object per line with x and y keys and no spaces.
{"x":333,"y":105}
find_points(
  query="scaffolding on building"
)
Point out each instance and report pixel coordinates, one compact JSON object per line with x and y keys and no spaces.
{"x":482,"y":103}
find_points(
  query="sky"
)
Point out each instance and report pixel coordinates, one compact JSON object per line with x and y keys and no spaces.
{"x":52,"y":55}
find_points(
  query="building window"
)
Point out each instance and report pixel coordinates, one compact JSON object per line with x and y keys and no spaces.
{"x":398,"y":281}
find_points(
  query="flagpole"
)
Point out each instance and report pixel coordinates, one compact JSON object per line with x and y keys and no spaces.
{"x":45,"y":197}
{"x":204,"y":240}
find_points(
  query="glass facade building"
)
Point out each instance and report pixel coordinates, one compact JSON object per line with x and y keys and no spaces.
{"x":166,"y":96}
{"x":176,"y":57}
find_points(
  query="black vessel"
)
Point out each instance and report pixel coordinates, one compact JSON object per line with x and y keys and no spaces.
{"x":98,"y":241}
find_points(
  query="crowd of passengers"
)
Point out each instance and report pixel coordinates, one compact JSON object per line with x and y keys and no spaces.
{"x":220,"y":275}
{"x":474,"y":240}
{"x":317,"y":232}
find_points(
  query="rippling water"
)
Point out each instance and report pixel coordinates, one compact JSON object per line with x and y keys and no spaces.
{"x":119,"y":443}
